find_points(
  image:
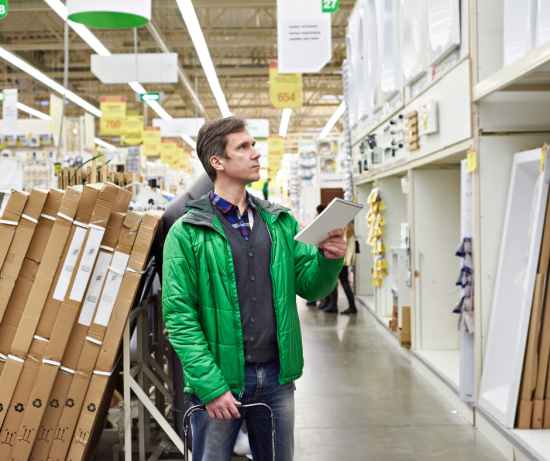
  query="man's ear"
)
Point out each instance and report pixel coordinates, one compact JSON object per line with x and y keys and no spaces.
{"x":217,"y":163}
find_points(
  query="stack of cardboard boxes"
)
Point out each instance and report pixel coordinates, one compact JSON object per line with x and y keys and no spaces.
{"x":394,"y":322}
{"x":70,"y":266}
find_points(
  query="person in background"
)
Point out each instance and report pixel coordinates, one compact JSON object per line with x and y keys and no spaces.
{"x":349,"y":260}
{"x":265,"y":190}
{"x":231,"y":274}
{"x":320,"y":209}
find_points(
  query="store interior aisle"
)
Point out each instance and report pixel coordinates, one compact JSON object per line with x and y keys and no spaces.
{"x":360,"y":399}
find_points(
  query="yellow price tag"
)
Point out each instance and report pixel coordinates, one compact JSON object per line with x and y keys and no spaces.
{"x":472,"y":161}
{"x":285,"y":90}
{"x":151,"y":141}
{"x":542,"y":158}
{"x":133,"y":131}
{"x":113,"y":115}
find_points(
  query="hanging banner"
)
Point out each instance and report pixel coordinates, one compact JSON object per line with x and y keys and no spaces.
{"x":151,"y":141}
{"x":9,"y":111}
{"x":285,"y":90}
{"x":168,"y":153}
{"x":276,"y":149}
{"x":304,"y":36}
{"x":133,"y":130}
{"x":113,"y":115}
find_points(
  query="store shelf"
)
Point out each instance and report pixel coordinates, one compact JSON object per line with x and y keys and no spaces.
{"x":531,"y":72}
{"x":447,"y":362}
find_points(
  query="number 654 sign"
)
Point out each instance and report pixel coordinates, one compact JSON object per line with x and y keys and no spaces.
{"x":331,"y":6}
{"x":3,"y":8}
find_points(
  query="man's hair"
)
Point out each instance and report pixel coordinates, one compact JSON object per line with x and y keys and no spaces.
{"x":212,"y":140}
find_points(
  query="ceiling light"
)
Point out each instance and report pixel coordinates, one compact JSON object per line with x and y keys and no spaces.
{"x":99,"y":142}
{"x":284,"y":122}
{"x":30,"y":110}
{"x":137,"y":87}
{"x":341,"y":97}
{"x":25,"y":67}
{"x":194,"y":28}
{"x":80,"y":29}
{"x":329,"y":96}
{"x":189,"y":141}
{"x":330,"y":124}
{"x":159,"y":110}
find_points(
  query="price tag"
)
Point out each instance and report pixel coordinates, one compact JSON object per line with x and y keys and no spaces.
{"x":542,"y":158}
{"x":133,"y":130}
{"x":331,"y":6}
{"x":113,"y":115}
{"x":285,"y":90}
{"x":152,"y":143}
{"x":472,"y":161}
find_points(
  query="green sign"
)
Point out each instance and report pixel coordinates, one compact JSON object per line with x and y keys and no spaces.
{"x":3,"y":8}
{"x":331,"y":6}
{"x":150,"y":97}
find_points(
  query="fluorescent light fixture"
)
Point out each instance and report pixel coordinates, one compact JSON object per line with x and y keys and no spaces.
{"x":329,"y":96}
{"x":330,"y":124}
{"x":159,"y":110}
{"x":80,"y":29}
{"x":189,"y":141}
{"x":284,"y":122}
{"x":25,"y":67}
{"x":34,"y":112}
{"x":101,"y":143}
{"x":194,"y":28}
{"x":137,"y":87}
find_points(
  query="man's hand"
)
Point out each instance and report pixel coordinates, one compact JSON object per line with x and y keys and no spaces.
{"x":335,"y":246}
{"x":223,"y":407}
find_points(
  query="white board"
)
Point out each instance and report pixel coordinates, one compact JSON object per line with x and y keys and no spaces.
{"x":443,"y":28}
{"x":143,"y":68}
{"x":513,"y":296}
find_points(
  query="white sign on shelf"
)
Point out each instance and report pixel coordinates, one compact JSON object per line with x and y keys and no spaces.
{"x":9,"y":110}
{"x":304,"y":36}
{"x":258,"y":127}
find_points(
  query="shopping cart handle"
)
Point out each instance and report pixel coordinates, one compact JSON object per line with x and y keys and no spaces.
{"x":187,"y":419}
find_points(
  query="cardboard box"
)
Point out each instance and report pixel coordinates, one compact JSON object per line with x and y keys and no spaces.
{"x":65,"y":319}
{"x":64,"y":426}
{"x":404,"y":334}
{"x":19,"y":325}
{"x":19,"y":245}
{"x":23,"y":392}
{"x":11,"y":215}
{"x":113,"y":336}
{"x":530,"y":365}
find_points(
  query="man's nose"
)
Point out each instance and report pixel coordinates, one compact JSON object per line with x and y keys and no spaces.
{"x":255,"y":154}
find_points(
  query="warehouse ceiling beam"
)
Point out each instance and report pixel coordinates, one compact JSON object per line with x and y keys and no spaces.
{"x":181,"y":72}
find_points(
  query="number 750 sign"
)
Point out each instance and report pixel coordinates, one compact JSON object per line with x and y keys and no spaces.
{"x":331,"y":6}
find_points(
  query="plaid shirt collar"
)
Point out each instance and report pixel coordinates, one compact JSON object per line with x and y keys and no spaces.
{"x":225,"y":207}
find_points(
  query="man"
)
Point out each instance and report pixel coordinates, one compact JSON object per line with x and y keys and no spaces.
{"x":265,"y":190}
{"x":232,"y":270}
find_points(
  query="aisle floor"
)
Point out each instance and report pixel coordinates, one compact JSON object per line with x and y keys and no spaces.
{"x":360,"y":399}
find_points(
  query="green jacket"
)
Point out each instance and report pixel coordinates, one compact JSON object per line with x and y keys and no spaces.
{"x":200,"y":304}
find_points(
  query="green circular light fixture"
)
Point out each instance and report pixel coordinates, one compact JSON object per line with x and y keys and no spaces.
{"x":110,"y":14}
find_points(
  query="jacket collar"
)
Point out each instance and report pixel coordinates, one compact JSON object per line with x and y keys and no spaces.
{"x":201,"y":212}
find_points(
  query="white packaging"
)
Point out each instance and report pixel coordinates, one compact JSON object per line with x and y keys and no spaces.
{"x":87,"y":263}
{"x":94,"y":289}
{"x":69,"y":264}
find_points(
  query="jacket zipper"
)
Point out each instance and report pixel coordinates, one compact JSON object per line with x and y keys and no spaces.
{"x":240,"y":395}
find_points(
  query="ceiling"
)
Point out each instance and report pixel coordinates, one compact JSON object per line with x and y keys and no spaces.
{"x":242,"y":39}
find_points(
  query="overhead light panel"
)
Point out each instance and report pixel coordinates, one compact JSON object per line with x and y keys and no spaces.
{"x":159,"y":110}
{"x":101,"y":143}
{"x":189,"y":141}
{"x":332,"y":121}
{"x":25,"y":67}
{"x":33,"y":112}
{"x":284,"y":122}
{"x":137,"y":87}
{"x":80,"y":29}
{"x":194,"y":28}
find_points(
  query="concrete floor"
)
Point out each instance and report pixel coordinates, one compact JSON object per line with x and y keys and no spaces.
{"x":360,"y":399}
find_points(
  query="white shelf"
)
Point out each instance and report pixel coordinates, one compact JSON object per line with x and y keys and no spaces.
{"x":447,"y":362}
{"x":538,"y":440}
{"x":530,"y":70}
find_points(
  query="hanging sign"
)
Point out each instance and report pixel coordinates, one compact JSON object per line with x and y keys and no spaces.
{"x":56,"y":114}
{"x":472,"y":161}
{"x":133,"y":130}
{"x":3,"y":8}
{"x":9,"y":110}
{"x":275,"y":149}
{"x":168,"y":153}
{"x":285,"y":90}
{"x":330,"y":6}
{"x":151,"y":141}
{"x":304,"y":36}
{"x":109,"y":14}
{"x":113,"y":115}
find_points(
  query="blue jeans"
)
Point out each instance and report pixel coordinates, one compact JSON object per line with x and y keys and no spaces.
{"x":214,"y":439}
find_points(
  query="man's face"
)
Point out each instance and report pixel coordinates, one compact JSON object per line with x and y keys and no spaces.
{"x":243,"y":163}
